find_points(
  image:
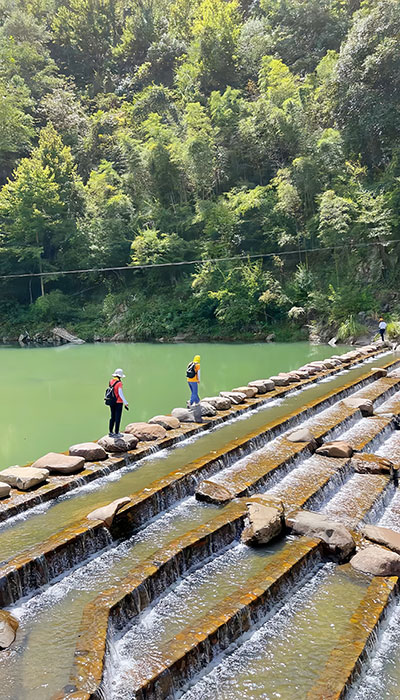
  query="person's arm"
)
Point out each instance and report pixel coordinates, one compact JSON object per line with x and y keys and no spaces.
{"x":121,"y":396}
{"x":198,"y":374}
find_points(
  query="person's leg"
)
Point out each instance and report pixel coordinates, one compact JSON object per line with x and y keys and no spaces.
{"x":382,"y":332}
{"x":112,"y":419}
{"x":118,"y":414}
{"x":190,"y":385}
{"x":196,"y":393}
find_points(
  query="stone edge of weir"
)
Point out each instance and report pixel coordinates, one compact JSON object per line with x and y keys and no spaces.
{"x":59,"y":485}
{"x":109,"y":606}
{"x":41,"y":563}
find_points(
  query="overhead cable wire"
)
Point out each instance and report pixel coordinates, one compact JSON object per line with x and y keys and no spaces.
{"x":242,"y":256}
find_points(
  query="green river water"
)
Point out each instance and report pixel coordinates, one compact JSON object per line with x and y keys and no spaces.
{"x":56,"y":394}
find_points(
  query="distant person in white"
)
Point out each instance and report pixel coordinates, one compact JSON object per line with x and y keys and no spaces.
{"x":382,"y":328}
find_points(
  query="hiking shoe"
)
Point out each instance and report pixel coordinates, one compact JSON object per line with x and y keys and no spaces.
{"x":111,"y":435}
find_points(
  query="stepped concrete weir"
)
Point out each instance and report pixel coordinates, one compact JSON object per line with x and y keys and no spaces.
{"x":158,"y":596}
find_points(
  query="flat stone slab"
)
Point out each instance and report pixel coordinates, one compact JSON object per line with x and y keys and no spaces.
{"x":146,"y":432}
{"x":24,"y":478}
{"x":376,"y":561}
{"x":212,"y":492}
{"x":335,"y":448}
{"x":383,"y":535}
{"x":57,"y":462}
{"x":90,"y":451}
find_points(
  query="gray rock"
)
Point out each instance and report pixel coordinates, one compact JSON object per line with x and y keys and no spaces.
{"x":382,"y":372}
{"x":263,"y":385}
{"x":90,"y":451}
{"x":336,"y":537}
{"x":235,"y":396}
{"x":280,"y":381}
{"x":60,"y":463}
{"x":366,"y":463}
{"x":146,"y":432}
{"x":183,"y":415}
{"x":249,"y":391}
{"x":212,"y":492}
{"x":4,"y":489}
{"x":8,"y":629}
{"x":167,"y":422}
{"x":107,"y":513}
{"x":221,"y":403}
{"x":207,"y":409}
{"x":376,"y":561}
{"x":365,"y":405}
{"x":336,"y":448}
{"x":303,"y":435}
{"x":263,"y":523}
{"x":24,"y":478}
{"x":382,"y":535}
{"x":119,"y":444}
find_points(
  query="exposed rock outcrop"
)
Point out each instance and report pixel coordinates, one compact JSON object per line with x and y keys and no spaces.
{"x":382,"y":535}
{"x":60,"y":463}
{"x":336,"y":448}
{"x":212,"y":492}
{"x":376,"y":561}
{"x":24,"y":478}
{"x":90,"y":451}
{"x":264,"y":521}
{"x":8,"y":629}
{"x":337,"y":538}
{"x":146,"y":432}
{"x":4,"y":489}
{"x":107,"y":513}
{"x":167,"y":422}
{"x":122,"y":443}
{"x":67,"y":337}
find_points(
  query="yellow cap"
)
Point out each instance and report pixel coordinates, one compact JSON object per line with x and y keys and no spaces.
{"x":196,"y":358}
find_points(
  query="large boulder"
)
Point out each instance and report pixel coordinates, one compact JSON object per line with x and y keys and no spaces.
{"x":335,"y":536}
{"x":366,"y":463}
{"x":264,"y":521}
{"x":207,"y":409}
{"x":8,"y":629}
{"x":376,"y":561}
{"x":60,"y":463}
{"x":336,"y":448}
{"x":212,"y":492}
{"x":280,"y":381}
{"x":309,"y":369}
{"x":249,"y":391}
{"x":235,"y":396}
{"x":90,"y":451}
{"x":382,"y":535}
{"x":184,"y":415}
{"x":107,"y":513}
{"x":263,"y":385}
{"x":146,"y":432}
{"x":24,"y":478}
{"x":365,"y":405}
{"x":292,"y":376}
{"x":221,"y":403}
{"x":167,"y":422}
{"x":122,"y":443}
{"x":4,"y":489}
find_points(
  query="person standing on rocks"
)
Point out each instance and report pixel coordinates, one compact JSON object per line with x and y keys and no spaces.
{"x":116,"y":400}
{"x":382,"y":328}
{"x":193,"y":379}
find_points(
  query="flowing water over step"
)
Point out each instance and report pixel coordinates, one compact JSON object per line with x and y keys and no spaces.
{"x":34,"y":526}
{"x":283,"y":656}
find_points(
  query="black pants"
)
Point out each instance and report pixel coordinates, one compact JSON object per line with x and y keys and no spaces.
{"x":116,"y":412}
{"x":382,"y":332}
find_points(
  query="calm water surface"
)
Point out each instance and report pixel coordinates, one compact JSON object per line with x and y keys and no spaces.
{"x":57,"y":393}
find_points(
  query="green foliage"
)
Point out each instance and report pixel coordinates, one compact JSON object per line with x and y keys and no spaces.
{"x":350,"y":330}
{"x":151,"y":132}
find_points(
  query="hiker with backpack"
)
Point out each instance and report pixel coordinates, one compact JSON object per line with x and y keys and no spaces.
{"x":193,"y":379}
{"x":115,"y":399}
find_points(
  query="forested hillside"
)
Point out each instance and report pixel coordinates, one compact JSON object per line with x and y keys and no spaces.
{"x":137,"y":132}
